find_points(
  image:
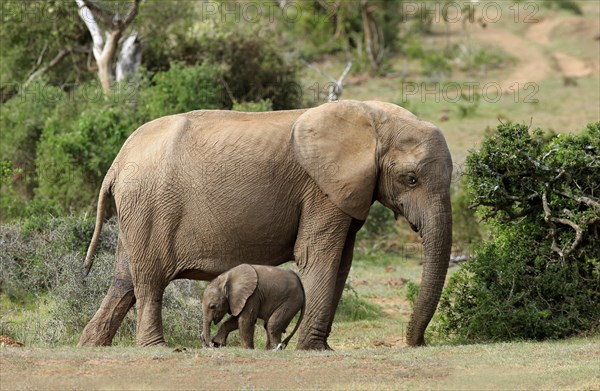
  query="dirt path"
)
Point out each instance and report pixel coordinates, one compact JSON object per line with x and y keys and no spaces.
{"x":572,"y":67}
{"x":540,"y":32}
{"x":534,"y":64}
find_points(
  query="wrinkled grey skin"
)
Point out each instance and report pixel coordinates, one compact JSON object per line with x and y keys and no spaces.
{"x":249,"y":293}
{"x":202,"y":192}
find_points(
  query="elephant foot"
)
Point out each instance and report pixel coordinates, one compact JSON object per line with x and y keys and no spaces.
{"x":96,"y":334}
{"x":159,"y":343}
{"x":313,"y":345}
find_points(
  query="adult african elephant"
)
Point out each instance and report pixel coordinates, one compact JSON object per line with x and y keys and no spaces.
{"x":201,"y":192}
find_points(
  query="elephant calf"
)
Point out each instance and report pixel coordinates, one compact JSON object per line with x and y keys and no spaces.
{"x":250,"y":292}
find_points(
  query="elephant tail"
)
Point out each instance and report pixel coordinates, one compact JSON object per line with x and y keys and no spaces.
{"x":289,"y":337}
{"x":105,"y":192}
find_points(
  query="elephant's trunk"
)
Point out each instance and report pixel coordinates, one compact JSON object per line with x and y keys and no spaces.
{"x":436,"y":232}
{"x":206,"y":338}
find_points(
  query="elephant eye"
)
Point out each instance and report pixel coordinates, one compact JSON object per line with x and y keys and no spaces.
{"x":212,"y":306}
{"x":411,"y":180}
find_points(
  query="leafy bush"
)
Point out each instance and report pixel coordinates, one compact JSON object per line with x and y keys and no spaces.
{"x":78,"y":144}
{"x":22,"y":120}
{"x":181,"y":89}
{"x":540,"y":275}
{"x":252,"y":68}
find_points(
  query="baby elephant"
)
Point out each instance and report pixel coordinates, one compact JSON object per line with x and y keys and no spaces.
{"x":250,"y":292}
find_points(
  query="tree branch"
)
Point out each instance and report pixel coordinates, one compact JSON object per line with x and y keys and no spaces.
{"x":131,"y":14}
{"x":97,"y":12}
{"x":582,"y":200}
{"x":54,"y":62}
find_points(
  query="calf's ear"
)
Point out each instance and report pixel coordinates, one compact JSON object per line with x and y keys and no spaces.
{"x":240,"y":284}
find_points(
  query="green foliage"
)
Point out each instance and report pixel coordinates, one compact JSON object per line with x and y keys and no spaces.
{"x":253,"y":69}
{"x":567,"y":5}
{"x":32,"y":32}
{"x":79,"y":141}
{"x":412,"y":292}
{"x":261,"y":105}
{"x":320,"y":28}
{"x":379,"y":223}
{"x":465,"y":227}
{"x":22,"y":120}
{"x":435,"y":65}
{"x":540,"y":275}
{"x":468,"y":104}
{"x":181,"y":89}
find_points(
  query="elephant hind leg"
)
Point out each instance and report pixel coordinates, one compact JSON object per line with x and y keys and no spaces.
{"x":101,"y":330}
{"x":149,"y":330}
{"x":119,"y":299}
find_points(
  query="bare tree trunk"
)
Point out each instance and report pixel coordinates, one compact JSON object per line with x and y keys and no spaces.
{"x":129,"y":59}
{"x":104,"y":51}
{"x":373,"y":38}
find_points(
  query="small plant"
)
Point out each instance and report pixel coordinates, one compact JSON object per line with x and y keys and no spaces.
{"x":352,"y":308}
{"x":468,"y":104}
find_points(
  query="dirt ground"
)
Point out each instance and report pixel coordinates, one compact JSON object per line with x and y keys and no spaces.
{"x":549,"y":365}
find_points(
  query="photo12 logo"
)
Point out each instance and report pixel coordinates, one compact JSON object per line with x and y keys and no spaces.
{"x":454,"y":92}
{"x":486,"y":12}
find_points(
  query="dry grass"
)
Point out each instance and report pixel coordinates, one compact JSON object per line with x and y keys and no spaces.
{"x":569,"y":364}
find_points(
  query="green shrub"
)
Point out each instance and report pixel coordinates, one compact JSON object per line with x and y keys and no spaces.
{"x":252,"y":68}
{"x":181,"y":89}
{"x":78,"y":144}
{"x":539,"y":277}
{"x":22,"y":120}
{"x":412,"y":291}
{"x":466,"y":230}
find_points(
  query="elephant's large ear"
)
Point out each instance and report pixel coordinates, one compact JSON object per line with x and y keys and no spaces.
{"x":336,"y":144}
{"x":240,"y":285}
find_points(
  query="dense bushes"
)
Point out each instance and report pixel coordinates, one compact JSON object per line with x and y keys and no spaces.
{"x":42,"y":264}
{"x":539,"y":277}
{"x":252,"y":68}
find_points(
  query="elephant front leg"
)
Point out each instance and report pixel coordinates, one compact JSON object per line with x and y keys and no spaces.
{"x":247,"y":332}
{"x":345,"y":264}
{"x":318,"y":253}
{"x":227,"y":327}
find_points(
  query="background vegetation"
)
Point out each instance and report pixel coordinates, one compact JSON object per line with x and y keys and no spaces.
{"x":60,"y":130}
